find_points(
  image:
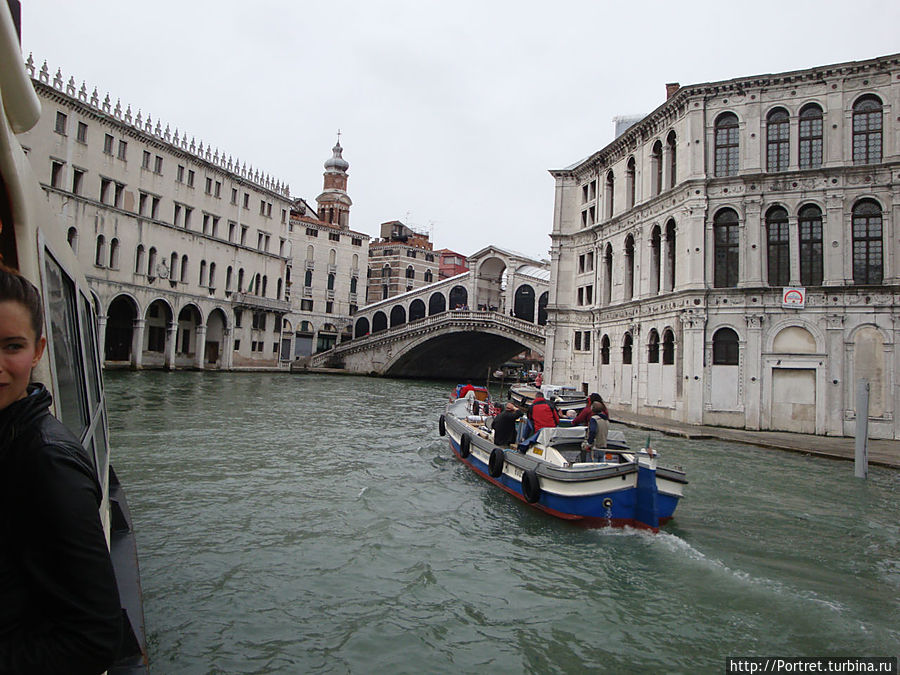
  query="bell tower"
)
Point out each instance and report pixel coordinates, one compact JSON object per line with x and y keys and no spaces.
{"x":334,"y":203}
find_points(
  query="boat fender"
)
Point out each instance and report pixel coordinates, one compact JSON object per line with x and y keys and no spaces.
{"x":496,"y":462}
{"x":442,"y":428}
{"x":531,"y":486}
{"x":464,"y":443}
{"x":607,"y":503}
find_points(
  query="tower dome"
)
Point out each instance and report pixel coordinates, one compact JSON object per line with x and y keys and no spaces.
{"x":336,"y":163}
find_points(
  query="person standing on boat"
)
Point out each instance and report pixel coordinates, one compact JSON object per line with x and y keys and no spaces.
{"x":542,"y":413}
{"x":582,"y":418}
{"x":466,"y":389}
{"x":59,"y":604}
{"x":598,"y":429}
{"x":504,"y":425}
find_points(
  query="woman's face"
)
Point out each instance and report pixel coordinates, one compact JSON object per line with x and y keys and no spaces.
{"x":19,"y":351}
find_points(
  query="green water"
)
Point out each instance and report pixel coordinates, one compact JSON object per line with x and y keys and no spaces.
{"x":315,"y":524}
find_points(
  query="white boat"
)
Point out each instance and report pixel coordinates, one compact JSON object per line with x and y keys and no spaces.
{"x":70,"y":368}
{"x":624,"y":487}
{"x":564,"y":398}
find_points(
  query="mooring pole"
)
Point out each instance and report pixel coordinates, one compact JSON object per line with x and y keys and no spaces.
{"x":861,"y":462}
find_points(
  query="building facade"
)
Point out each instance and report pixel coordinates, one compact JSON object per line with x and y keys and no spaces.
{"x":732,"y":258}
{"x":186,"y":250}
{"x":450,"y":263}
{"x":400,"y":261}
{"x":331,"y":264}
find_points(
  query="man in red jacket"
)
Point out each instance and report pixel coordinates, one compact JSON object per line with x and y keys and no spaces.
{"x":542,"y":414}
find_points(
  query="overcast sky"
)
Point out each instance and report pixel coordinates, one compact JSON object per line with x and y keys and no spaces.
{"x":451,"y":113}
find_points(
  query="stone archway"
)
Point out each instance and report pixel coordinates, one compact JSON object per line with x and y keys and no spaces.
{"x":189,"y":322}
{"x":157,"y":320}
{"x":523,"y":306}
{"x":214,"y":348}
{"x":490,"y":284}
{"x":436,"y":304}
{"x":459,"y":298}
{"x":120,"y":318}
{"x":416,"y":310}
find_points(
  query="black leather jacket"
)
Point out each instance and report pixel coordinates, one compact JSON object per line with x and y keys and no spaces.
{"x":59,"y":605}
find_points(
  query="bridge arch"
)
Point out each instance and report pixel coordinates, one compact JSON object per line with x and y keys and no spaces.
{"x":362,"y":327}
{"x":542,"y":308}
{"x":379,"y":322}
{"x":523,"y":306}
{"x":459,"y":297}
{"x":489,"y":284}
{"x":416,"y":310}
{"x":437,"y":303}
{"x":398,"y":315}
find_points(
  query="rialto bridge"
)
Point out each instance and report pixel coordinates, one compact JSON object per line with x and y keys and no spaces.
{"x":458,"y":327}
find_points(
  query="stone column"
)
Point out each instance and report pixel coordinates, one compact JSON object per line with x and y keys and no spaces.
{"x":838,"y":262}
{"x":794,"y":243}
{"x":101,"y":337}
{"x":751,"y":257}
{"x":833,"y":396}
{"x":228,"y":346}
{"x":137,"y":344}
{"x":753,"y":371}
{"x":199,"y":347}
{"x":171,"y":342}
{"x":694,"y":322}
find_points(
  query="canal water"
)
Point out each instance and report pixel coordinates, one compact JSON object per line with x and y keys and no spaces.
{"x":319,"y":524}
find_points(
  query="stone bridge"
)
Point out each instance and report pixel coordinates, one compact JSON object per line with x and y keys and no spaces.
{"x":456,"y":344}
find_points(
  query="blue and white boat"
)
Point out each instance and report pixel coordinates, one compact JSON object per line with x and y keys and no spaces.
{"x":625,"y":487}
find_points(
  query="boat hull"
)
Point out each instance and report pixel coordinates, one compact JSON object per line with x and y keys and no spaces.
{"x":609,"y":495}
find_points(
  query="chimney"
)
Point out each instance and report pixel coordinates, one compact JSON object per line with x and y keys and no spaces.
{"x":671,"y":88}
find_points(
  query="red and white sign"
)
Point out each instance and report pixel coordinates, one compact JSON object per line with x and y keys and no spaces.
{"x":794,"y":298}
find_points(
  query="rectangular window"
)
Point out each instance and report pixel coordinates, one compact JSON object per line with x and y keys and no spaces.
{"x":312,"y":232}
{"x":334,"y":237}
{"x":589,"y":295}
{"x":283,"y":216}
{"x":232,"y":227}
{"x":259,"y":241}
{"x":154,"y":209}
{"x":587,"y":341}
{"x":329,"y":307}
{"x":306,"y":305}
{"x":142,"y":203}
{"x":108,"y":141}
{"x":357,"y":242}
{"x":581,"y":296}
{"x":123,"y":150}
{"x":262,"y":207}
{"x":119,"y":195}
{"x":234,"y":196}
{"x":177,"y":217}
{"x":145,"y":161}
{"x":205,"y":223}
{"x":81,"y":136}
{"x":244,"y":229}
{"x":77,"y":177}
{"x":179,"y":174}
{"x":268,"y":209}
{"x":208,"y":185}
{"x":246,"y":200}
{"x":218,"y":191}
{"x":237,"y":345}
{"x":238,"y":314}
{"x":56,"y":174}
{"x":578,"y":340}
{"x":61,"y":120}
{"x":215,"y":226}
{"x":188,"y":212}
{"x":104,"y":190}
{"x":158,"y":166}
{"x":190,"y":178}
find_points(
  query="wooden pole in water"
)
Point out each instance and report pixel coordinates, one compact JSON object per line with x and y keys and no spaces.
{"x":861,"y":462}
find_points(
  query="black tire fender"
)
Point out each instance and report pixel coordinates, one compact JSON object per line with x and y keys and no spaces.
{"x":531,"y":486}
{"x":442,"y":427}
{"x":464,"y":444}
{"x":496,"y":462}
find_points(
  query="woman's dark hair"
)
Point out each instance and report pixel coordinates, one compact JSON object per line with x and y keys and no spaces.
{"x":15,"y":287}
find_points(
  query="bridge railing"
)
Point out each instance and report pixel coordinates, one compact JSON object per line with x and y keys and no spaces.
{"x":450,"y":317}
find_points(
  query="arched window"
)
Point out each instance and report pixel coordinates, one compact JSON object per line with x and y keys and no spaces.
{"x":173,"y":266}
{"x":354,"y":262}
{"x":410,"y":272}
{"x":265,"y":284}
{"x":229,"y":278}
{"x":310,"y":252}
{"x":307,"y":278}
{"x":139,"y":259}
{"x":726,"y":239}
{"x":184,"y":269}
{"x":257,"y":280}
{"x":610,"y":194}
{"x":428,"y":276}
{"x":361,"y":328}
{"x":202,"y":279}
{"x":459,"y":298}
{"x":542,"y":308}
{"x":151,"y":262}
{"x":332,"y":256}
{"x":626,"y":350}
{"x":212,"y":276}
{"x":778,"y":248}
{"x":436,"y":304}
{"x":113,"y":254}
{"x":607,"y":275}
{"x":379,"y":322}
{"x":656,"y":167}
{"x":241,"y":280}
{"x":655,"y":258}
{"x":72,"y":238}
{"x":778,"y":140}
{"x":810,"y":136}
{"x":868,"y":266}
{"x":727,"y":146}
{"x":673,"y":163}
{"x":353,"y":283}
{"x":629,"y":267}
{"x":604,"y":350}
{"x":653,"y":347}
{"x":278,"y":292}
{"x":668,"y":355}
{"x":100,"y":257}
{"x":398,"y":315}
{"x":330,"y":285}
{"x":385,"y":291}
{"x":523,"y":307}
{"x":630,"y":183}
{"x":867,"y":123}
{"x":725,"y":348}
{"x":810,"y":225}
{"x":386,"y":272}
{"x":416,"y":310}
{"x":670,"y":255}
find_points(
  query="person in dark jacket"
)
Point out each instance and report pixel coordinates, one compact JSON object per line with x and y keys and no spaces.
{"x":504,"y":425}
{"x":59,"y":604}
{"x":583,"y":417}
{"x":542,"y":413}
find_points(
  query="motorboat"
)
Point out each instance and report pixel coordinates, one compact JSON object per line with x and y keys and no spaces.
{"x":621,"y":487}
{"x":564,"y":398}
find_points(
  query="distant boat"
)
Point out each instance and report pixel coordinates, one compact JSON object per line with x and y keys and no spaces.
{"x":564,"y":398}
{"x":626,"y":487}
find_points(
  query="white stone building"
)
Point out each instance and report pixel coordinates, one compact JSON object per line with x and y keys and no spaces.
{"x":186,"y":250}
{"x":675,"y":245}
